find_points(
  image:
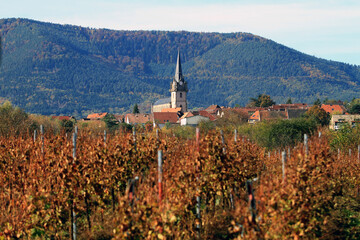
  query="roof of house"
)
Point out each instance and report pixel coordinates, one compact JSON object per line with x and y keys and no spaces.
{"x":187,"y":114}
{"x":213,"y":108}
{"x":171,"y":109}
{"x":295,"y":113}
{"x":119,"y":117}
{"x":162,"y":101}
{"x":205,"y":113}
{"x":138,"y":118}
{"x":255,"y":116}
{"x":247,"y":110}
{"x":331,"y":108}
{"x":287,"y":106}
{"x":63,"y":117}
{"x":96,"y":115}
{"x":164,"y":117}
{"x":272,"y":115}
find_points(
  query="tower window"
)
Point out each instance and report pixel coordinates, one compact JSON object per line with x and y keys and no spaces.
{"x":180,"y":95}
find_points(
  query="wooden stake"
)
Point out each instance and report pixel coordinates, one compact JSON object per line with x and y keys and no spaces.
{"x":160,"y":170}
{"x":73,"y":215}
{"x":35,"y":135}
{"x":306,"y":144}
{"x":283,"y":160}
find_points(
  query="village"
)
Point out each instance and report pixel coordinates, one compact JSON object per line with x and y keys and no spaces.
{"x":174,"y":110}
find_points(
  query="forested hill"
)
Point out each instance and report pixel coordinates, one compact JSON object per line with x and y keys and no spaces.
{"x":62,"y":69}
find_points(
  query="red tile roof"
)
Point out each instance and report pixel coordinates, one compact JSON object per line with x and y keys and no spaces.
{"x":96,"y":115}
{"x":207,"y":114}
{"x":138,"y":118}
{"x":330,"y":108}
{"x":255,"y":116}
{"x":171,"y":109}
{"x":164,"y":117}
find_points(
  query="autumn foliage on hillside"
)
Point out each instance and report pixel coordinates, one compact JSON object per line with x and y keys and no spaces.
{"x":112,"y":189}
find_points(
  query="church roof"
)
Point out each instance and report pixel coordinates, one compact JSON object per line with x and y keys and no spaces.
{"x":178,"y":71}
{"x":162,"y":101}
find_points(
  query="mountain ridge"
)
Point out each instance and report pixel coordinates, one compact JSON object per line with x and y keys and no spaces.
{"x":66,"y":69}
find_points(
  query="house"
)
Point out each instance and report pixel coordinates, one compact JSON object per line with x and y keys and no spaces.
{"x":214,"y":109}
{"x":95,"y":116}
{"x":193,"y":120}
{"x":119,"y":118}
{"x":166,"y":117}
{"x":283,"y":107}
{"x":333,"y":108}
{"x":337,"y":120}
{"x":266,"y":115}
{"x":204,"y":113}
{"x":171,"y":110}
{"x":63,"y":118}
{"x":138,"y":118}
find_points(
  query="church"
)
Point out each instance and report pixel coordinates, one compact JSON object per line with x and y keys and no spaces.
{"x":178,"y":90}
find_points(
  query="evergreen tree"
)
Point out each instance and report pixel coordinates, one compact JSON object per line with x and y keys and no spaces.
{"x":317,"y":102}
{"x":136,"y":109}
{"x":289,"y":101}
{"x":262,"y":100}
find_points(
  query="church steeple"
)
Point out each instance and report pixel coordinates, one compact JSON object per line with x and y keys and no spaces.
{"x":178,"y":71}
{"x":178,"y":88}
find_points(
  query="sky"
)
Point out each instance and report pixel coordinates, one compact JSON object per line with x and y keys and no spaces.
{"x":327,"y":29}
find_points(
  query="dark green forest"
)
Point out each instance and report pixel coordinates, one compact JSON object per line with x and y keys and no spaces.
{"x":63,"y":69}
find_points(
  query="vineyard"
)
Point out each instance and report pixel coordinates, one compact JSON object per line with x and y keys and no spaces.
{"x":153,"y":185}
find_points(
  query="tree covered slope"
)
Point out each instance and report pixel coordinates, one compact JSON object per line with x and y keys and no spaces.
{"x":62,"y":69}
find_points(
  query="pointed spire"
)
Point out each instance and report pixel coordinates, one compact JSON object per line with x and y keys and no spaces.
{"x":178,"y":72}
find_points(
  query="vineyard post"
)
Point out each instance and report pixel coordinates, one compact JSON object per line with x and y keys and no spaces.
{"x":198,"y":198}
{"x":338,"y":154}
{"x":160,"y":171}
{"x":42,"y":138}
{"x":197,"y":138}
{"x":73,"y":215}
{"x":223,"y":140}
{"x":157,"y":134}
{"x":76,"y":130}
{"x":269,"y":154}
{"x":283,"y":160}
{"x":235,"y":135}
{"x":134,"y":137}
{"x":319,"y":134}
{"x":306,"y":144}
{"x":104,"y":136}
{"x":252,"y":202}
{"x":349,"y":152}
{"x":35,"y":135}
{"x":289,"y":151}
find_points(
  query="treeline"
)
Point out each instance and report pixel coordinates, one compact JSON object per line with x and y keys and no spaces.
{"x":62,"y":69}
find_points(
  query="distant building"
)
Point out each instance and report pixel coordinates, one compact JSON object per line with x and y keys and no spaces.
{"x":166,"y":117}
{"x":178,"y":89}
{"x":266,"y":115}
{"x":138,"y":118}
{"x":193,"y":120}
{"x":338,"y":120}
{"x":334,"y":108}
{"x":95,"y":116}
{"x":63,"y":118}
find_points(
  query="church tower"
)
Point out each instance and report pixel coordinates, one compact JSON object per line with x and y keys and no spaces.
{"x":178,"y":88}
